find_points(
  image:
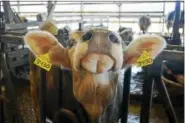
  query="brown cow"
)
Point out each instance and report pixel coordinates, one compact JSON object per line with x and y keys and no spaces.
{"x":95,"y":62}
{"x":35,"y":78}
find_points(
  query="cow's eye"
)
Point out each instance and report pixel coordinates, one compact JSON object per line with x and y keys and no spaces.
{"x":87,"y":36}
{"x":113,"y":38}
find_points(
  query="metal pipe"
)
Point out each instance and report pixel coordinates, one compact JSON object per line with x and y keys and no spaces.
{"x":11,"y":106}
{"x":81,"y":10}
{"x":164,"y":7}
{"x":126,"y":95}
{"x":172,"y":118}
{"x":91,"y":3}
{"x":43,"y":97}
{"x":59,"y":79}
{"x":173,"y":55}
{"x":176,"y":34}
{"x":148,"y":84}
{"x":8,"y":12}
{"x":174,"y":47}
{"x":18,"y":6}
{"x":100,"y":15}
{"x":2,"y":120}
{"x":120,"y":1}
{"x":125,"y":12}
{"x":35,"y":23}
{"x":51,"y":8}
{"x":119,"y":11}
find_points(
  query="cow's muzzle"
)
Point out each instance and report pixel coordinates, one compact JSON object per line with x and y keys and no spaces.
{"x":97,"y":63}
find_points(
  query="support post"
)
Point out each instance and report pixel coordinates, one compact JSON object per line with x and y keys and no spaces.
{"x":147,"y":96}
{"x":176,"y":34}
{"x":1,"y":107}
{"x":14,"y":115}
{"x":59,"y":78}
{"x":172,"y":118}
{"x":43,"y":97}
{"x":126,"y":95}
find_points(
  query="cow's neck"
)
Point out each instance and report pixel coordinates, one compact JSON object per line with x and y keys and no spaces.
{"x":94,"y":91}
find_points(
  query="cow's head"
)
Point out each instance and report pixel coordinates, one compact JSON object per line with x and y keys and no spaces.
{"x":95,"y":61}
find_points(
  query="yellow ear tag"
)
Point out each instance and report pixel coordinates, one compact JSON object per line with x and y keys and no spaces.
{"x":43,"y":61}
{"x":144,"y":60}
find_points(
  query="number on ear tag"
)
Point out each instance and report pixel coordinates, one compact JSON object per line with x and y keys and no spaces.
{"x":43,"y":61}
{"x":144,"y":60}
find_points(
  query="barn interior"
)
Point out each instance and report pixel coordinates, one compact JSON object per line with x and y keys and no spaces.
{"x":151,"y":94}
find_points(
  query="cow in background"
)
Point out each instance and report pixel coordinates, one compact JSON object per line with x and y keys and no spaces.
{"x":126,"y":34}
{"x":144,"y":23}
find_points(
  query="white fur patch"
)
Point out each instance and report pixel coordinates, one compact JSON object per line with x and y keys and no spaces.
{"x":91,"y":65}
{"x":103,"y":78}
{"x":79,"y":53}
{"x":117,"y":53}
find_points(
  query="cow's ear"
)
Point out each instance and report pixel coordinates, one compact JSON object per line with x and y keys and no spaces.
{"x":42,"y":42}
{"x":152,"y":43}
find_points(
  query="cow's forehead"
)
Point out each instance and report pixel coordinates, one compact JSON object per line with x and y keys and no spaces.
{"x":98,"y":30}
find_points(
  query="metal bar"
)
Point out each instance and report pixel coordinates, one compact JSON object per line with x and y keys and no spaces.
{"x":122,"y":12}
{"x":173,"y":55}
{"x":59,"y":78}
{"x":34,"y":23}
{"x":120,"y":1}
{"x":115,"y":15}
{"x":80,"y":27}
{"x":1,"y":101}
{"x":18,"y":6}
{"x":109,"y":15}
{"x":110,"y":2}
{"x":17,"y":52}
{"x":10,"y":37}
{"x":10,"y":15}
{"x":164,"y":7}
{"x":91,"y":3}
{"x":1,"y":106}
{"x":126,"y":95}
{"x":14,"y":115}
{"x":148,"y":84}
{"x":167,"y":102}
{"x":175,"y":47}
{"x":81,"y":10}
{"x":43,"y":97}
{"x":119,"y":11}
{"x":176,"y":34}
{"x":20,"y":25}
{"x":19,"y":63}
{"x":8,"y":12}
{"x":51,"y":8}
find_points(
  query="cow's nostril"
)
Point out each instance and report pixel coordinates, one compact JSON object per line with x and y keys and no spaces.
{"x":97,"y":63}
{"x":87,"y":36}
